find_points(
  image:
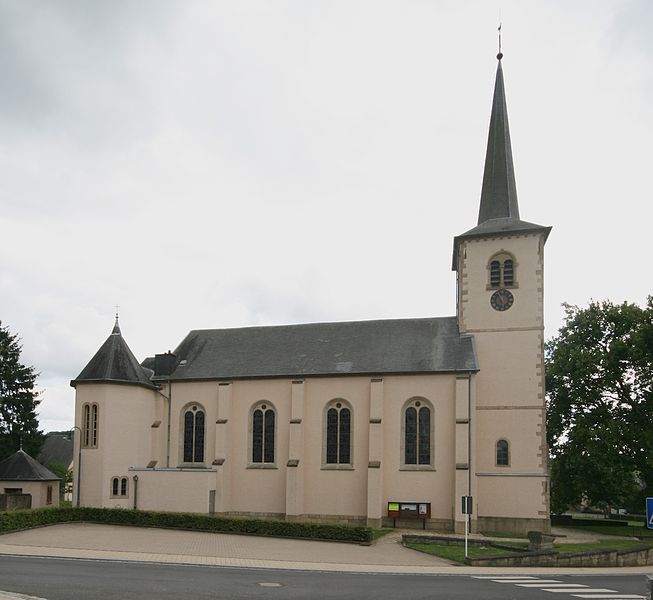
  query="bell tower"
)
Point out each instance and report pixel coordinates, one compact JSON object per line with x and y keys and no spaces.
{"x":500,"y":290}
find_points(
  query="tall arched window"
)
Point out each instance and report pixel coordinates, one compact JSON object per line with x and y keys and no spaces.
{"x":502,"y":271}
{"x":338,"y":434}
{"x":417,"y":433}
{"x":503,"y":453}
{"x":263,"y":434}
{"x":194,"y":435}
{"x":90,"y":413}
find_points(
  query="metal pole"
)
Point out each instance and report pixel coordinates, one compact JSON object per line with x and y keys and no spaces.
{"x":79,"y":465}
{"x":466,"y":532}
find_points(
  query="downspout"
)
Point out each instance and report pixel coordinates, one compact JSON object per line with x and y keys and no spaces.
{"x":169,"y":414}
{"x":469,"y":441}
{"x":135,"y":492}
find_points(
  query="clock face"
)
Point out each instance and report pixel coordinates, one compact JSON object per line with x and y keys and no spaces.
{"x":501,"y":300}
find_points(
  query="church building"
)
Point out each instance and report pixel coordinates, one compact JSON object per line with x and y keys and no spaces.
{"x":367,"y":422}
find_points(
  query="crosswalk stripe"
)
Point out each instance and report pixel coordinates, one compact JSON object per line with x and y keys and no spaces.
{"x":609,"y":596}
{"x":541,"y":582}
{"x":526,"y":581}
{"x":582,"y":588}
{"x":544,"y":584}
{"x":502,"y":577}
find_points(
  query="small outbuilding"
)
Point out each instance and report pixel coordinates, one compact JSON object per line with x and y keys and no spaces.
{"x":21,"y":475}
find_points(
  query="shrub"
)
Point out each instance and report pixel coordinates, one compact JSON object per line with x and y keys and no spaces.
{"x":25,"y":519}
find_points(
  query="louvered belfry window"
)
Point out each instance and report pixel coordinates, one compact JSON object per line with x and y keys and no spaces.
{"x":502,"y":271}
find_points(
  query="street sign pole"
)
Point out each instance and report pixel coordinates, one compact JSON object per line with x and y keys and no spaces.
{"x":467,"y":511}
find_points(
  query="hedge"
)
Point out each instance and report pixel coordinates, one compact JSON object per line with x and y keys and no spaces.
{"x":25,"y":519}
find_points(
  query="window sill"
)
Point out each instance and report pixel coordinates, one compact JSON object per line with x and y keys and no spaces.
{"x":262,"y":466}
{"x":190,"y":465}
{"x":493,"y":288}
{"x":119,"y":497}
{"x":337,"y":467}
{"x":417,"y":468}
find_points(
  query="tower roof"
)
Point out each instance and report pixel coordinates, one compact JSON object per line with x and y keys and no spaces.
{"x":499,"y":209}
{"x":499,"y":192}
{"x":20,"y":466}
{"x":114,"y":362}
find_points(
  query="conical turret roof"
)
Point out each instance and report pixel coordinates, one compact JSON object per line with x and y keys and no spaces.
{"x":114,"y":362}
{"x":20,"y":466}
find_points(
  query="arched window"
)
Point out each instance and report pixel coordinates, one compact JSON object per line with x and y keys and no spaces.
{"x":502,"y":271}
{"x":194,"y":434}
{"x":119,"y":487}
{"x":263,"y":434}
{"x":503,"y":454}
{"x":338,"y":434}
{"x":90,"y":425}
{"x":417,"y":433}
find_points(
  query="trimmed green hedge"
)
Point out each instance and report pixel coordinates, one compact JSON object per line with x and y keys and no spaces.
{"x":24,"y":519}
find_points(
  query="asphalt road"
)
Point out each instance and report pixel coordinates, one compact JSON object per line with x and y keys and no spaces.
{"x":57,"y":579}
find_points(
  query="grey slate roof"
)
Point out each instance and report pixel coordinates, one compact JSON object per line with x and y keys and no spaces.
{"x":499,"y":191}
{"x":114,"y":363}
{"x":56,"y":449}
{"x":499,"y":209}
{"x":429,"y":345}
{"x":20,"y":466}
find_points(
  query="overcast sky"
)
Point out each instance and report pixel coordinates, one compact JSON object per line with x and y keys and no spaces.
{"x":208,"y":164}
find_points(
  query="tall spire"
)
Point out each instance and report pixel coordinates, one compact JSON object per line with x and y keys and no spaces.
{"x":499,"y":192}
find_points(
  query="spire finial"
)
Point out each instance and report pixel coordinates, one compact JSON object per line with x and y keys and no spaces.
{"x":116,"y":327}
{"x":21,"y":443}
{"x":500,"y":55}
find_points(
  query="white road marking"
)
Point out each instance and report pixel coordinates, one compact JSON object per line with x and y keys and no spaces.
{"x":502,"y":577}
{"x":610,"y":596}
{"x":265,"y":584}
{"x":580,"y":588}
{"x":576,"y":586}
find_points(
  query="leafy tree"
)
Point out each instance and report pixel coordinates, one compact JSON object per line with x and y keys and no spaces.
{"x":599,"y":376}
{"x":66,"y":476}
{"x":18,"y":400}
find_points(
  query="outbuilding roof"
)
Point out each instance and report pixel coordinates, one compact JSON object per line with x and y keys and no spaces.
{"x":20,"y":466}
{"x":430,"y":345}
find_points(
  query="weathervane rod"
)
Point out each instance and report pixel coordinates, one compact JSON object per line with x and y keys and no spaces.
{"x":500,"y":55}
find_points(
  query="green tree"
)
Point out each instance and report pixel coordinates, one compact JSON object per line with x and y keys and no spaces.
{"x":66,"y":476}
{"x":599,"y":377}
{"x":18,"y":400}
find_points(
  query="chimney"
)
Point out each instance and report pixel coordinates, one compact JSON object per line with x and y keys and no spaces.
{"x":164,"y":364}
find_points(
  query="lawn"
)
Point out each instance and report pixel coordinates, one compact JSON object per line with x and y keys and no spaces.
{"x":625,"y":530}
{"x":456,"y":553}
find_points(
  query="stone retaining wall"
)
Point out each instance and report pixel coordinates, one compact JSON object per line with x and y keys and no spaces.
{"x":638,"y":556}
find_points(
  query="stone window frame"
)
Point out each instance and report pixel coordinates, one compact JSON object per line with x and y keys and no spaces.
{"x":119,"y":487}
{"x":90,"y":424}
{"x":412,"y":403}
{"x":501,"y":257}
{"x":496,"y":453}
{"x":195,"y":408}
{"x":339,"y":404}
{"x":264,"y":406}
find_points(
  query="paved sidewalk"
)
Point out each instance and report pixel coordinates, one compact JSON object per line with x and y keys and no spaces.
{"x":111,"y":542}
